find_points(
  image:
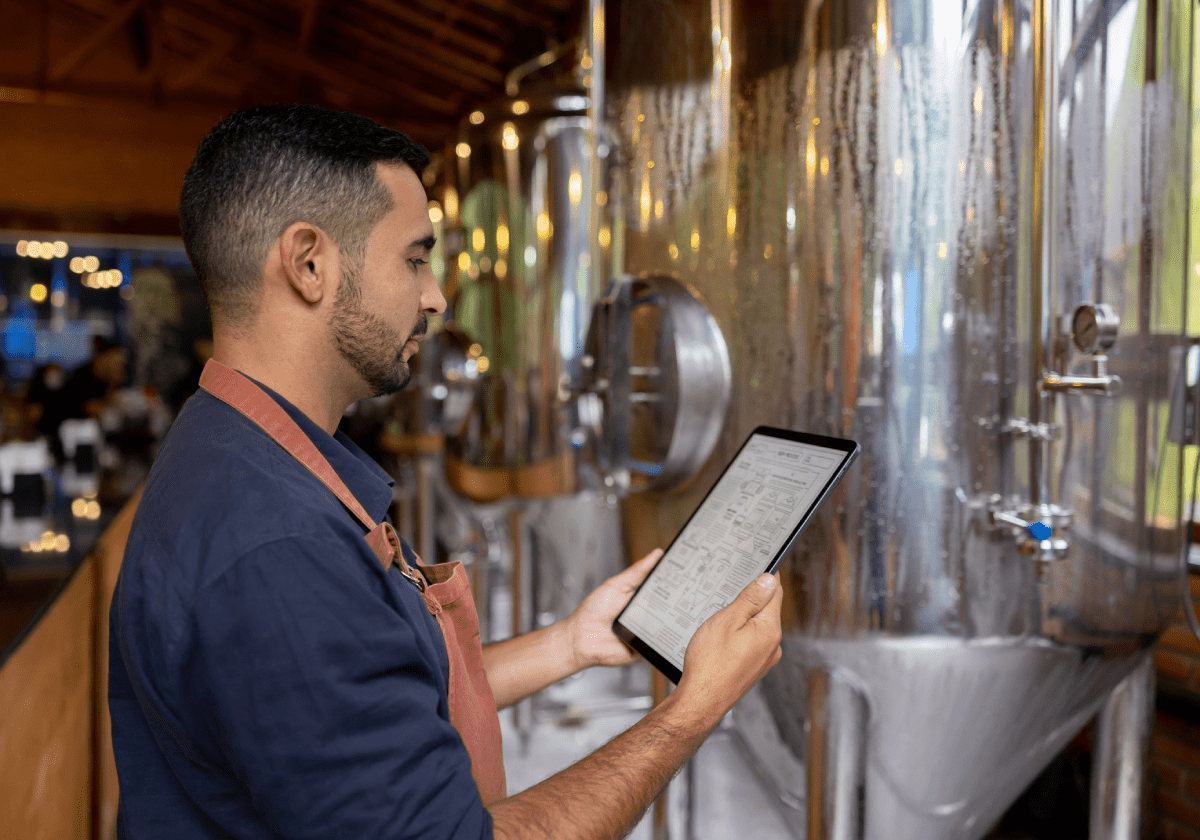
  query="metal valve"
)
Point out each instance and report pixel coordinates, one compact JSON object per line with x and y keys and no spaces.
{"x":1039,"y":531}
{"x":1093,"y":330}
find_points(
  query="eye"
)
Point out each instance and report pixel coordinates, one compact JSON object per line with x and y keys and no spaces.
{"x":417,"y":263}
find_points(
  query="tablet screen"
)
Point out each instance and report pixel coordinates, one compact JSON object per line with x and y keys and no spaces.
{"x":748,"y":520}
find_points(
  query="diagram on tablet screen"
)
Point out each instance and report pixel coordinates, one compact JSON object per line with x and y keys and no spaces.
{"x":745,"y":520}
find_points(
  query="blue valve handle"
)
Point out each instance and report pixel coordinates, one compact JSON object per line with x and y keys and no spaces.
{"x":1039,"y":530}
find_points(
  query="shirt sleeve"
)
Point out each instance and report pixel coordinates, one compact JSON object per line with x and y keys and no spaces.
{"x":322,"y":699}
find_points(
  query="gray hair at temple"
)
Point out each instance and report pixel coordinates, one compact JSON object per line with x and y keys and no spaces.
{"x":263,"y":169}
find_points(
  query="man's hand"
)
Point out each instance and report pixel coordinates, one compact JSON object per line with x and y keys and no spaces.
{"x":604,"y":794}
{"x":732,"y":651}
{"x":590,"y":626}
{"x":522,"y":665}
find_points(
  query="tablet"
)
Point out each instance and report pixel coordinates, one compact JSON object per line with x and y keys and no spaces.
{"x":744,"y":527}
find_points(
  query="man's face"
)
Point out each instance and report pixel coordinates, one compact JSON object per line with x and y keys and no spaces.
{"x":382,"y":302}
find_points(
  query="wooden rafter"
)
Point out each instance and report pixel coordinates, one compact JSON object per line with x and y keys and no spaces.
{"x":307,"y":24}
{"x":362,"y":81}
{"x":489,"y":50}
{"x":155,"y":47}
{"x":483,"y":23}
{"x":450,"y":16}
{"x":422,"y":62}
{"x":437,"y":59}
{"x":108,"y":96}
{"x":517,"y":12}
{"x":202,"y":66}
{"x":93,"y":42}
{"x":359,"y":81}
{"x":391,"y":53}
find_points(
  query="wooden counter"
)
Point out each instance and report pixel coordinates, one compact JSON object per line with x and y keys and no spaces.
{"x":46,"y":731}
{"x":57,"y":777}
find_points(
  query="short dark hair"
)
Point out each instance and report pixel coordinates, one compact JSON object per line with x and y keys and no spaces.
{"x":263,"y":169}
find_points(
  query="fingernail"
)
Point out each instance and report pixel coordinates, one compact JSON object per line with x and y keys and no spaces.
{"x":766,"y":581}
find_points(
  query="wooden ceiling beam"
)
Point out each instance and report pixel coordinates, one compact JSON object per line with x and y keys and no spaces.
{"x":445,"y":72}
{"x":156,"y":44}
{"x":361,"y":82}
{"x":93,"y":42}
{"x":357,"y":83}
{"x":518,"y":13}
{"x":235,"y":17}
{"x":308,"y":23}
{"x":435,"y":58}
{"x":464,"y":12}
{"x":487,"y":49}
{"x":449,"y":19}
{"x":214,"y":21}
{"x":108,"y":96}
{"x":122,"y":100}
{"x":201,"y":66}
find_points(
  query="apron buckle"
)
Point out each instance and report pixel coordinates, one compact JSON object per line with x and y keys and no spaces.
{"x":417,"y":579}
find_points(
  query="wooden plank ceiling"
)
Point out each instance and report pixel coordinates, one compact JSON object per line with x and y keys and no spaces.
{"x":417,"y":65}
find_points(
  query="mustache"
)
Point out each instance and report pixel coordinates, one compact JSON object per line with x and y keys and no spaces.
{"x":421,"y":327}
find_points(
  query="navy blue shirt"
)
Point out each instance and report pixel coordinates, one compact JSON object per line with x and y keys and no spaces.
{"x":267,"y":677}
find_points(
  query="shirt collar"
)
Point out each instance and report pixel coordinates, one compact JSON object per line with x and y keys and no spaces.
{"x":368,"y":481}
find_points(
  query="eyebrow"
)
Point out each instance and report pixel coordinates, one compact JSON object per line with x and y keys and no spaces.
{"x":427,"y":243}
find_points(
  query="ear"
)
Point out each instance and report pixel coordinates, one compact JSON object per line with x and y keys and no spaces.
{"x":308,"y":259}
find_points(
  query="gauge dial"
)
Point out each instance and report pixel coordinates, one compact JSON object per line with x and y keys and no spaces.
{"x":1094,"y":327}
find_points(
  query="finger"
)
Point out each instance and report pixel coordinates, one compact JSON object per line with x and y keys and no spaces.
{"x":753,"y":599}
{"x":636,"y":573}
{"x":770,"y":613}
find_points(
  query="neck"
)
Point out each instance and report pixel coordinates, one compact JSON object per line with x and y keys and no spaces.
{"x":297,"y":376}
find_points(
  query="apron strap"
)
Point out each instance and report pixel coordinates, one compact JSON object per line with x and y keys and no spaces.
{"x":234,"y":388}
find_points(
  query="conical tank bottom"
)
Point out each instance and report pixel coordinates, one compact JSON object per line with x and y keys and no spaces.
{"x":956,"y":728}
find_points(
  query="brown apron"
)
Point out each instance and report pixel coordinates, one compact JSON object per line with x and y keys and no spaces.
{"x":444,"y":586}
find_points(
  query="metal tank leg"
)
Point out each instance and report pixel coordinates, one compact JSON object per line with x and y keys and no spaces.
{"x":523,"y":612}
{"x":427,"y":467}
{"x":660,"y":828}
{"x":1118,"y":763}
{"x":837,"y":757}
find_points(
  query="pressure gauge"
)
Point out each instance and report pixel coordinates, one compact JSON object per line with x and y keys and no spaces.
{"x":1094,"y":327}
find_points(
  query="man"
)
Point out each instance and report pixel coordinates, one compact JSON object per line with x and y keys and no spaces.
{"x":273,"y":674}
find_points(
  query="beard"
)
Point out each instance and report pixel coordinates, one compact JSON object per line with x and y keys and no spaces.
{"x":372,"y":347}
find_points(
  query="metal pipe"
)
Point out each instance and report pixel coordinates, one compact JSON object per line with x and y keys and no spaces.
{"x":595,"y":54}
{"x":598,"y":151}
{"x":427,"y":467}
{"x":1042,"y":233}
{"x":1122,"y":741}
{"x":1059,"y":382}
{"x":837,"y":757}
{"x":512,"y":82}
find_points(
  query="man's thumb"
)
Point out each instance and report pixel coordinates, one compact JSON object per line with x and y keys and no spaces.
{"x":755,"y":596}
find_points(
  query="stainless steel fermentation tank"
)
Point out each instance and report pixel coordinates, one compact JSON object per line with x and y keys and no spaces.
{"x":956,"y":232}
{"x":581,"y":383}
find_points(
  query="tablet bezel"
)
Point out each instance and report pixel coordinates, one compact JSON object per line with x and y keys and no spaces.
{"x":845,"y":445}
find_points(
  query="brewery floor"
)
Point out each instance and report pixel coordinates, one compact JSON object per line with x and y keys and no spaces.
{"x":575,"y":717}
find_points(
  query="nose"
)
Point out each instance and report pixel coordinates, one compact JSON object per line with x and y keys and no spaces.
{"x":432,"y":299}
